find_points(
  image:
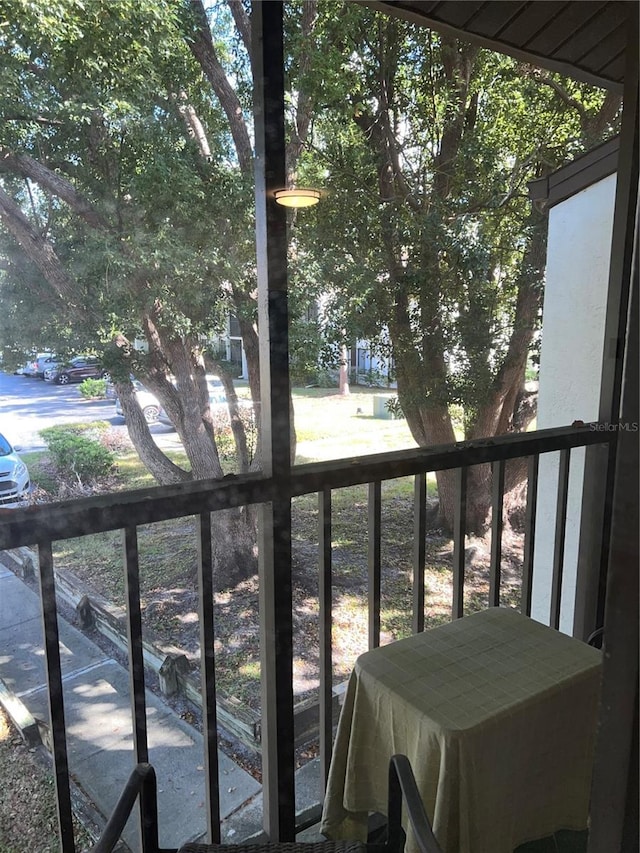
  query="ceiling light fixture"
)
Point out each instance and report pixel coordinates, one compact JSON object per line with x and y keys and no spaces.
{"x":297,"y":197}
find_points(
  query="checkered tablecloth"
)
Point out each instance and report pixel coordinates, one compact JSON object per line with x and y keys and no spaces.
{"x":497,"y":714}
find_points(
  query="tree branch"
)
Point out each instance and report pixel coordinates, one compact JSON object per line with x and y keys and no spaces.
{"x":497,"y":415}
{"x":543,"y":77}
{"x":48,"y":122}
{"x":201,"y":46}
{"x":304,"y":107}
{"x":40,"y":252}
{"x":195,"y":128}
{"x":22,"y":164}
{"x":242,"y":22}
{"x":391,"y":145}
{"x":457,"y":61}
{"x":593,"y":126}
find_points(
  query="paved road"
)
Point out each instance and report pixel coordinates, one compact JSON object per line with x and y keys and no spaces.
{"x":28,"y":405}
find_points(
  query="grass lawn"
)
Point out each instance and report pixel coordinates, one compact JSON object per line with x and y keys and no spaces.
{"x":329,"y":426}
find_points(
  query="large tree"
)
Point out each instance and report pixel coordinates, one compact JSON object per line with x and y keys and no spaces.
{"x":126,"y":204}
{"x":126,"y":199}
{"x":130,"y":149}
{"x":427,"y":239}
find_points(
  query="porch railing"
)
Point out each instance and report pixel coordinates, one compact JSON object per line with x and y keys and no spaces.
{"x":43,"y":525}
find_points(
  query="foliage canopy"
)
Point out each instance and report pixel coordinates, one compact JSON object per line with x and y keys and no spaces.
{"x":126,"y":200}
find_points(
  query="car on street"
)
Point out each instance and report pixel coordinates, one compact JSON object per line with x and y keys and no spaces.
{"x":14,"y":476}
{"x":77,"y":370}
{"x":37,"y":366}
{"x":146,"y":400}
{"x":217,"y":400}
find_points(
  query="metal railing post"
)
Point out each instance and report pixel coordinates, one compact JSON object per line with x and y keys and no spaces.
{"x":419,"y":549}
{"x":374,"y":561}
{"x":208,"y":678}
{"x":459,"y":541}
{"x":55,"y":696}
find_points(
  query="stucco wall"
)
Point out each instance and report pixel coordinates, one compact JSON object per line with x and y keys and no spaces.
{"x":570,"y":363}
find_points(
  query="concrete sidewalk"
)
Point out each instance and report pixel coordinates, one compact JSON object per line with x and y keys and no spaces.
{"x":99,"y":725}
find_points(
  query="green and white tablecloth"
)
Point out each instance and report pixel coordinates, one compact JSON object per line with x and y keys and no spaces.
{"x":497,"y":714}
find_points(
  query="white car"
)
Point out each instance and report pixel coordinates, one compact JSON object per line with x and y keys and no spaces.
{"x":217,"y":400}
{"x":150,"y":405}
{"x":14,"y":477}
{"x":147,"y":401}
{"x":42,"y":362}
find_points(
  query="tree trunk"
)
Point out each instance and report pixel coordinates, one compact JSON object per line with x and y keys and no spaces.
{"x":235,"y":418}
{"x":154,"y":460}
{"x":439,"y":429}
{"x":186,"y":400}
{"x":251,"y":346}
{"x":421,"y":282}
{"x":234,"y":546}
{"x":506,"y":409}
{"x":201,"y":45}
{"x":344,"y":372}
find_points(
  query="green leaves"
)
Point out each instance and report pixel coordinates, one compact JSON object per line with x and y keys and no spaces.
{"x":424,"y":233}
{"x":97,"y":91}
{"x":424,"y":147}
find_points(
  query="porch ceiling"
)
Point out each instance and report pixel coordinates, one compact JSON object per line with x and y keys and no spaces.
{"x":585,"y":39}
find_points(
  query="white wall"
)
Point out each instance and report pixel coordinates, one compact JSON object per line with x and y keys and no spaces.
{"x":573,"y":320}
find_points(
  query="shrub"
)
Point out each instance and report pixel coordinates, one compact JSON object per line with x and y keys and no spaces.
{"x":115,"y":441}
{"x":393,"y":406}
{"x":226,"y":445}
{"x":77,"y":452}
{"x":92,"y":388}
{"x":225,"y":441}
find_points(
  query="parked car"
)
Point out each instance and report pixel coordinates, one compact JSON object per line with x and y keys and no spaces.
{"x":77,"y":370}
{"x":44,"y":363}
{"x":37,"y":366}
{"x":146,"y":400}
{"x":29,"y":370}
{"x":14,"y":476}
{"x":217,"y":400}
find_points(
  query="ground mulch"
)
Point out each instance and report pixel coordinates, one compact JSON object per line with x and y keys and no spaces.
{"x":170,"y":599}
{"x":28,"y":819}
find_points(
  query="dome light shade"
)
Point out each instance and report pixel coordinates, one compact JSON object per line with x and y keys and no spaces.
{"x":297,"y":197}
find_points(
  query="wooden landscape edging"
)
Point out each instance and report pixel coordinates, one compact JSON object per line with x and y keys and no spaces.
{"x":171,"y":664}
{"x":110,"y":620}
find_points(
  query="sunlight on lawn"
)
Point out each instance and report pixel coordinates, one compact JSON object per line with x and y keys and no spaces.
{"x":336,"y":427}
